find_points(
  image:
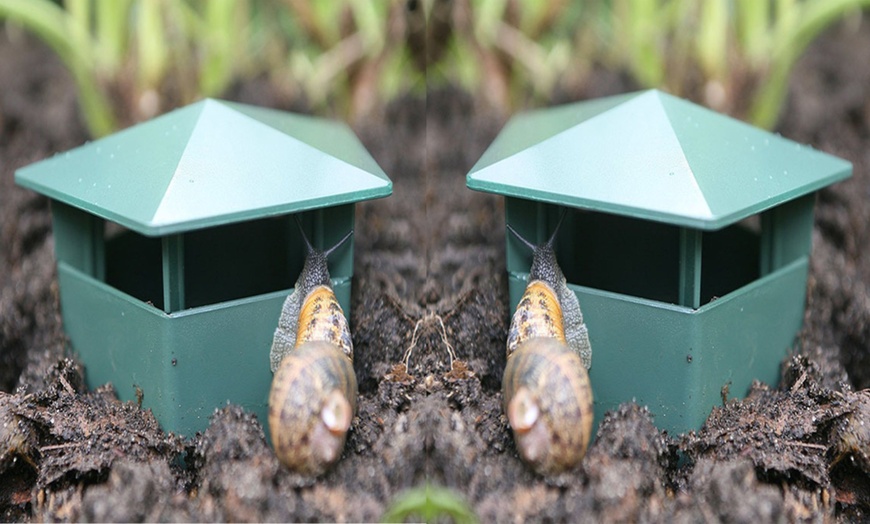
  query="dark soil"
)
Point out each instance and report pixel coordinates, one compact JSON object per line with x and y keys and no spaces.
{"x":430,"y":277}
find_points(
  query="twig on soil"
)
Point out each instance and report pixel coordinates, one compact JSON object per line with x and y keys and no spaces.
{"x":60,"y":446}
{"x":799,"y":382}
{"x":426,"y":319}
{"x":810,"y":445}
{"x":66,"y":385}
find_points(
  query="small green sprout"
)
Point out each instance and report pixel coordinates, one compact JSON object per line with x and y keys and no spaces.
{"x":429,"y":503}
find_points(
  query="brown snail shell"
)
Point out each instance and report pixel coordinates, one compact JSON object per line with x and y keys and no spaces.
{"x":311,"y":405}
{"x":548,"y":401}
{"x":312,"y":400}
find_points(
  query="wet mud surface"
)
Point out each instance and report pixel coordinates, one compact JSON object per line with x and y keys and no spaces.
{"x":430,"y":292}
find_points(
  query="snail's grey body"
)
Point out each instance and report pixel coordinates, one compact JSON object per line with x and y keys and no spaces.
{"x":546,"y":268}
{"x":315,"y":272}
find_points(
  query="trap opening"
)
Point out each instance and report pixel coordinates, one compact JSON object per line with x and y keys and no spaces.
{"x":216,"y":264}
{"x":643,"y":258}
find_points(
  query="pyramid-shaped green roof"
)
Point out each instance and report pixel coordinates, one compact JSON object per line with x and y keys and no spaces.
{"x":653,"y":156}
{"x":211,"y":163}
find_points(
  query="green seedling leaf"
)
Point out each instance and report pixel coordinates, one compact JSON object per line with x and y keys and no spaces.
{"x":429,"y":503}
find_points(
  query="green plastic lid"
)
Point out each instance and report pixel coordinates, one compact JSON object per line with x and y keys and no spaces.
{"x":652,"y":156}
{"x":208,"y":164}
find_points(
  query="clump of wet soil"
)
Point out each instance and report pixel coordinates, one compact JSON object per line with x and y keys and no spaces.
{"x":429,"y":320}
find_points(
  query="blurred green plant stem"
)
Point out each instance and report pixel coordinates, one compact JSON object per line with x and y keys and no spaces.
{"x":126,"y":49}
{"x":132,"y":59}
{"x":736,"y":47}
{"x":733,"y":55}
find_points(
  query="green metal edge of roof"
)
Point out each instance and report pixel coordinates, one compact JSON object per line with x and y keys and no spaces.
{"x":653,"y":156}
{"x":211,"y":163}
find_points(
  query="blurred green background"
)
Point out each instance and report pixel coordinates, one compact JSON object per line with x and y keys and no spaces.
{"x":133,"y":59}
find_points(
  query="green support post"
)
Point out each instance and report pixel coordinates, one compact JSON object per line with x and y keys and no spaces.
{"x":768,"y":243}
{"x":98,"y":249}
{"x":690,"y":268}
{"x":173,"y":273}
{"x":786,"y":233}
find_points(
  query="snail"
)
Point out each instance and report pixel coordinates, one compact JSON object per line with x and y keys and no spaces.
{"x":314,"y":389}
{"x":547,"y":396}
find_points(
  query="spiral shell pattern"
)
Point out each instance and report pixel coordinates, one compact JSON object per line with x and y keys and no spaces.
{"x":314,"y":390}
{"x":311,"y":405}
{"x":548,"y":400}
